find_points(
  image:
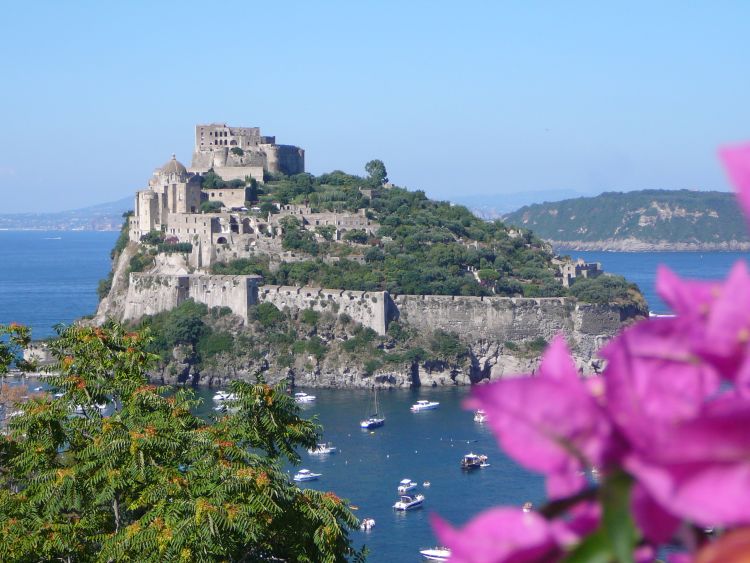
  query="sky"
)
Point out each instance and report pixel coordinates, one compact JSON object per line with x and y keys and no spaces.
{"x":457,"y":98}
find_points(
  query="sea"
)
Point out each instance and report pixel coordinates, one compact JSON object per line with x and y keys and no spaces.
{"x":51,"y":277}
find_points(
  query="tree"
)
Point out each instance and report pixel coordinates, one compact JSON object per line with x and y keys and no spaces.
{"x":376,"y":170}
{"x":211,"y":206}
{"x":150,"y":481}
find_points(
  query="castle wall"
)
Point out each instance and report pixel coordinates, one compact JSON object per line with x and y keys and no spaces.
{"x":287,"y":159}
{"x":369,"y":308}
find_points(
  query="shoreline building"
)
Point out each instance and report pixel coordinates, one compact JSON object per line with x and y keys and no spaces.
{"x":235,"y":153}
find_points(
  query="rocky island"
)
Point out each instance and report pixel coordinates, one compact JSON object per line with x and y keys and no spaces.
{"x":245,"y":264}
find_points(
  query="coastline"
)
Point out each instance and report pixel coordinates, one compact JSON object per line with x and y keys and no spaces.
{"x":637,"y":245}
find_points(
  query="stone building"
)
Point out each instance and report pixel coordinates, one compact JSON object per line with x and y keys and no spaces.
{"x":579,"y":269}
{"x":238,"y":152}
{"x":171,"y":190}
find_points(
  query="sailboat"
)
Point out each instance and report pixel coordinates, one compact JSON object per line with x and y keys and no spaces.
{"x":376,"y":419}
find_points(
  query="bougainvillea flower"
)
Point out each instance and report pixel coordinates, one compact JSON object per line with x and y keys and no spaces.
{"x":654,"y":378}
{"x":688,"y":298}
{"x":549,"y":423}
{"x":700,"y":470}
{"x":500,"y":535}
{"x":580,"y":520}
{"x":656,"y":524}
{"x":736,"y":160}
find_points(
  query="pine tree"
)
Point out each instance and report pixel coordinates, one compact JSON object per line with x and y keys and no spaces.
{"x":151,"y":481}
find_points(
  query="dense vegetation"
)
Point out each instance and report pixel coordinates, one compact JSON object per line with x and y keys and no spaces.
{"x":679,"y":216}
{"x":149,"y":480}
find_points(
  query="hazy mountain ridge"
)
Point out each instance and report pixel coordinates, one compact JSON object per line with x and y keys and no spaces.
{"x":100,"y":217}
{"x":639,"y":220}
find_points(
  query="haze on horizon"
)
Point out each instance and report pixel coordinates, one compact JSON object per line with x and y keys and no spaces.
{"x":457,"y":99}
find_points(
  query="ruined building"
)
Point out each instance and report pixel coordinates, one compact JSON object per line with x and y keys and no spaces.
{"x":237,"y":152}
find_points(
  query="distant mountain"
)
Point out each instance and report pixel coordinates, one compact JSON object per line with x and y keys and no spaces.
{"x":494,"y":206}
{"x":639,"y":220}
{"x":100,"y":217}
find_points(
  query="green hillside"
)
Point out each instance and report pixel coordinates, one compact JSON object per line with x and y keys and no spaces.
{"x":651,"y":216}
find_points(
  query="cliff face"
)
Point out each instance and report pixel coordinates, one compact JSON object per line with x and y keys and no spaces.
{"x":498,"y":336}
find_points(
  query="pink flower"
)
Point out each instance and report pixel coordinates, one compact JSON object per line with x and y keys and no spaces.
{"x":550,"y":423}
{"x":687,"y":298}
{"x":656,"y":524}
{"x":500,"y":535}
{"x":737,"y":163}
{"x":654,"y":378}
{"x":700,"y":469}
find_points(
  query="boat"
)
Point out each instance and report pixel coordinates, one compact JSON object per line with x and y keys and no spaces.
{"x":367,"y":524}
{"x":306,"y":475}
{"x":474,"y":461}
{"x":222,"y":396}
{"x":322,"y":449}
{"x":79,"y":409}
{"x":303,"y":398}
{"x":436,"y":553}
{"x":406,"y":485}
{"x":527,"y":506}
{"x":426,"y":484}
{"x":406,"y":502}
{"x":423,"y":405}
{"x":376,"y":419}
{"x":480,"y":416}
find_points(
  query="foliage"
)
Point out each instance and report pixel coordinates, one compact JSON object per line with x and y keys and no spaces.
{"x":310,"y":317}
{"x":651,"y":215}
{"x":211,"y":206}
{"x":140,"y":262}
{"x":105,"y":284}
{"x":176,"y":247}
{"x":326,"y":231}
{"x":356,"y":235}
{"x":268,"y":315}
{"x":153,"y":237}
{"x":603,"y":289}
{"x":237,"y":151}
{"x":376,"y":171}
{"x":150,"y":481}
{"x":123,"y":237}
{"x":446,"y":345}
{"x":211,"y":180}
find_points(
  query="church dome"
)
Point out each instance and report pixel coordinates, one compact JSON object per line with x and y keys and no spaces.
{"x":174,"y":166}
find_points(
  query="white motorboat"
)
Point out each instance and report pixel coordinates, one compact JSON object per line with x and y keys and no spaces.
{"x":322,"y":449}
{"x":303,"y":398}
{"x":406,"y":485}
{"x":367,"y":524}
{"x":423,"y":405}
{"x":436,"y":554}
{"x":527,"y":507}
{"x":376,"y":419}
{"x":226,"y":409}
{"x":306,"y":475}
{"x":480,"y":416}
{"x":79,"y":409}
{"x":426,"y":484}
{"x":222,"y":396}
{"x":407,"y":502}
{"x":474,"y":461}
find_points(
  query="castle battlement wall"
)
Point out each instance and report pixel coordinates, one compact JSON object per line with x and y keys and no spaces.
{"x":494,"y":319}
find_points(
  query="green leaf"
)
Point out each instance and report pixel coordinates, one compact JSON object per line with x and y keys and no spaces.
{"x":617,"y":522}
{"x":593,"y":549}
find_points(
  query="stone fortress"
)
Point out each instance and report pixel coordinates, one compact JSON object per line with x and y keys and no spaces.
{"x":171,"y":204}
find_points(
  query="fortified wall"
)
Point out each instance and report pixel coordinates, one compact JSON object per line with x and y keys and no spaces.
{"x":494,"y":319}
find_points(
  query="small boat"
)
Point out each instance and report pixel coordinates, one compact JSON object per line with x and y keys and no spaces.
{"x":376,"y":419}
{"x":426,"y":484}
{"x":38,"y":388}
{"x":474,"y":461}
{"x":436,"y":554}
{"x":480,"y":416}
{"x":406,"y":485}
{"x":527,"y":507}
{"x":407,"y":502}
{"x":367,"y":524}
{"x":79,"y":409}
{"x":322,"y":449}
{"x":306,"y":475}
{"x":226,"y":409}
{"x":303,"y":398}
{"x":222,"y":396}
{"x":423,"y":405}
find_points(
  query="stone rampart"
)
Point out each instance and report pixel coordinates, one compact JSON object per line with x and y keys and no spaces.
{"x":492,"y":319}
{"x":369,"y":308}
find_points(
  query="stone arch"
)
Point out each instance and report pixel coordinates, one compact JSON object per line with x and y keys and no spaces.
{"x":221,"y":240}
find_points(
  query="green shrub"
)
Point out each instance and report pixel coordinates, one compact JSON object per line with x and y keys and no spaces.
{"x":310,"y":317}
{"x":140,"y":262}
{"x":102,"y":290}
{"x":214,"y":343}
{"x":510,"y":345}
{"x":371,"y":366}
{"x":356,"y":235}
{"x":446,"y":345}
{"x":268,"y":315}
{"x":211,"y":206}
{"x":173,"y":248}
{"x":603,"y":289}
{"x":237,"y":150}
{"x":536,"y":345}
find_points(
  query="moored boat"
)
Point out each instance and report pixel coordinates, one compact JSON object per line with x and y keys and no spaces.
{"x":221,"y":396}
{"x":407,"y":502}
{"x":322,"y":449}
{"x":474,"y":461}
{"x":376,"y":419}
{"x":367,"y":524}
{"x":480,"y":416}
{"x":436,"y":553}
{"x":406,"y":485}
{"x":423,"y":405}
{"x":306,"y":475}
{"x":303,"y":398}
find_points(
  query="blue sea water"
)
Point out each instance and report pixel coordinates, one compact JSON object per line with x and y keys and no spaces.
{"x":51,"y":277}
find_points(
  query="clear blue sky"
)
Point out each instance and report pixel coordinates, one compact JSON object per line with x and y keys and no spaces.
{"x":455,"y":97}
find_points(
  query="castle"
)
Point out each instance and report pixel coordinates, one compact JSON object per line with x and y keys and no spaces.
{"x":171,"y":204}
{"x":235,"y":153}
